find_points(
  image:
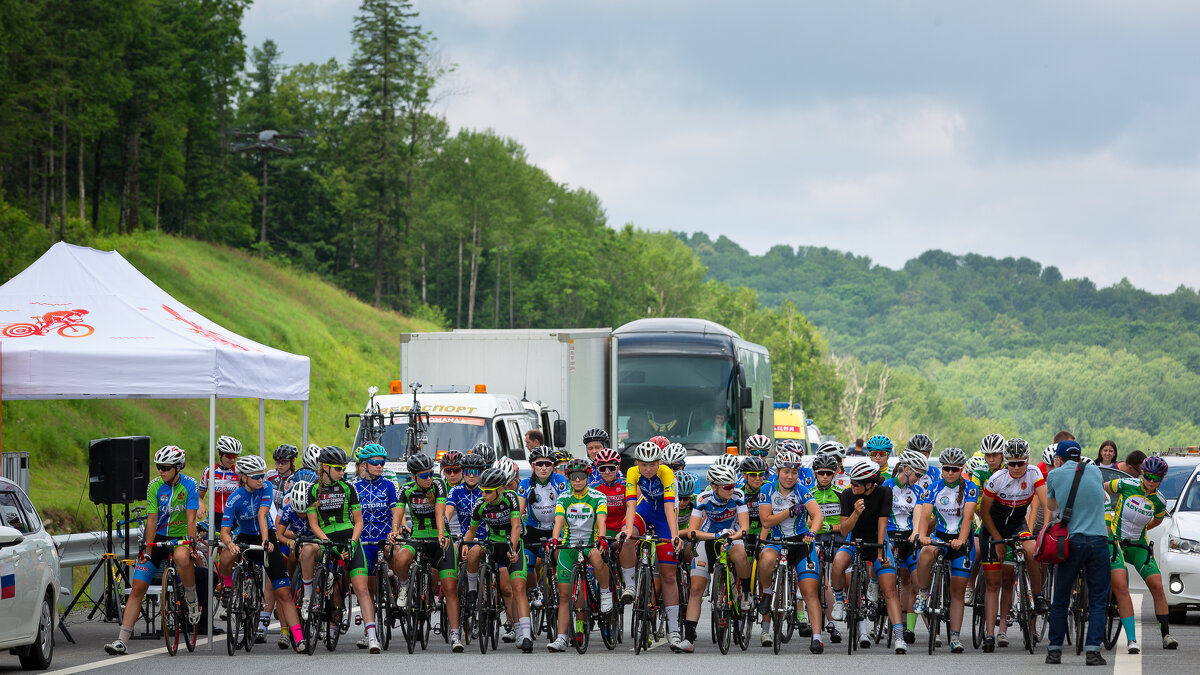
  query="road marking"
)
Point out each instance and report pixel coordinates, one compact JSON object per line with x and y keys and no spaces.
{"x":1125,"y":663}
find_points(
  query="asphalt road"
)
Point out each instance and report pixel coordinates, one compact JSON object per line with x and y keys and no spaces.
{"x":149,"y":656}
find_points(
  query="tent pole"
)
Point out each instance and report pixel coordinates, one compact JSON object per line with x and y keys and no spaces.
{"x":304,"y":438}
{"x":262,"y":428}
{"x":212,"y":551}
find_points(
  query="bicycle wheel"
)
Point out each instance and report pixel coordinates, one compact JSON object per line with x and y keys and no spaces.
{"x":486,"y":605}
{"x":1080,"y":615}
{"x":316,"y":610}
{"x":233,"y":613}
{"x":579,"y":611}
{"x":426,"y":608}
{"x":439,"y":598}
{"x":550,"y":601}
{"x":745,"y":621}
{"x":383,"y":604}
{"x":977,"y":612}
{"x":721,"y":609}
{"x":251,"y":601}
{"x":333,"y":630}
{"x":935,"y":611}
{"x":1025,"y":610}
{"x":643,"y":611}
{"x":186,"y":626}
{"x":779,"y":607}
{"x":465,"y":613}
{"x":169,"y":609}
{"x":793,"y":606}
{"x":1047,"y":591}
{"x":853,"y":593}
{"x":1113,"y":629}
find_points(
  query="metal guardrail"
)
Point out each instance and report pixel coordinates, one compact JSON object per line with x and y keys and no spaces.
{"x":85,"y":548}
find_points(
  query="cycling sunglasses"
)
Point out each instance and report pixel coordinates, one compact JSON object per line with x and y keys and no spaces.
{"x":229,"y":455}
{"x":472,"y":472}
{"x":257,"y":476}
{"x":1017,"y":464}
{"x":425,"y":475}
{"x":754,"y":474}
{"x":164,"y":467}
{"x":489,"y":489}
{"x":759,"y":453}
{"x":825,"y":473}
{"x":951,"y":469}
{"x":451,"y":469}
{"x":334,"y":467}
{"x":605,"y":468}
{"x":679,"y":466}
{"x":544,"y":464}
{"x":862,"y":483}
{"x":377,"y":461}
{"x":727,"y":486}
{"x":1153,"y":477}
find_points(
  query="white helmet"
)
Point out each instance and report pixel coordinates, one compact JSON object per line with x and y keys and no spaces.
{"x":674,"y":453}
{"x":228,"y":445}
{"x":1016,"y":448}
{"x":758,"y":442}
{"x":1050,"y":453}
{"x":299,"y":496}
{"x":864,"y":471}
{"x":731,"y":461}
{"x":170,"y":454}
{"x":312,"y":456}
{"x":720,"y":474}
{"x":509,"y":468}
{"x":787,"y":460}
{"x":992,"y":444}
{"x":832,"y":448}
{"x":975,"y":464}
{"x":647,"y":452}
{"x":953,"y":457}
{"x":914,"y":460}
{"x":250,"y":464}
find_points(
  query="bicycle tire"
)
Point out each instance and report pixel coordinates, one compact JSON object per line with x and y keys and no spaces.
{"x":852,"y":600}
{"x":383,"y":604}
{"x":169,"y":609}
{"x":607,"y":621}
{"x":347,"y":598}
{"x":977,"y":611}
{"x":642,"y":608}
{"x":579,"y":611}
{"x":484,"y":600}
{"x":1025,"y":610}
{"x":745,"y":622}
{"x":439,"y":599}
{"x":1048,"y":592}
{"x":794,"y":601}
{"x":1113,"y":630}
{"x":233,"y":613}
{"x":316,"y":611}
{"x":779,"y":606}
{"x":189,"y":629}
{"x":333,"y":630}
{"x":934,"y":612}
{"x":1080,"y":615}
{"x":250,"y":616}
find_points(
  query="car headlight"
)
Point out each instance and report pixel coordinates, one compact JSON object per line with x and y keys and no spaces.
{"x":1180,"y":545}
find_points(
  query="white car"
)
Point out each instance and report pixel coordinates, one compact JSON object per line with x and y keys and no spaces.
{"x":1177,"y":546}
{"x":28,"y":580}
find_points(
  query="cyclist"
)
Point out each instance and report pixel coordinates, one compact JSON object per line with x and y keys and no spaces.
{"x":594,"y":440}
{"x":538,"y":494}
{"x":754,"y":476}
{"x":829,"y":497}
{"x":866,"y":509}
{"x":499,"y":510}
{"x":879,"y":449}
{"x":685,"y":498}
{"x":579,"y":517}
{"x":484,"y":450}
{"x":424,"y":498}
{"x":952,"y":502}
{"x":308,"y":468}
{"x":334,"y":514}
{"x":757,"y":445}
{"x":675,"y":456}
{"x":561,"y":457}
{"x":720,"y":511}
{"x":377,"y":497}
{"x":285,"y":465}
{"x":612,"y":486}
{"x":459,"y":503}
{"x":249,"y":509}
{"x":924,"y":445}
{"x":177,"y":499}
{"x":452,"y":476}
{"x":838,"y":452}
{"x":661,"y":441}
{"x":651,"y":488}
{"x":979,"y":469}
{"x":222,"y":478}
{"x":804,"y":475}
{"x":1005,"y":512}
{"x":1139,"y":507}
{"x":906,"y":495}
{"x":292,"y":524}
{"x":782,"y":509}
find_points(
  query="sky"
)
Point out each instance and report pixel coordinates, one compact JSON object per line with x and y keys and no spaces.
{"x":1065,"y":132}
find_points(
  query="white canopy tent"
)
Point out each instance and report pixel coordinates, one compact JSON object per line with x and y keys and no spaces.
{"x":82,"y":323}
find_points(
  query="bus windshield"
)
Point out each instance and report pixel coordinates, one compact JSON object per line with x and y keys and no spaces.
{"x":445,"y":433}
{"x":688,"y":399}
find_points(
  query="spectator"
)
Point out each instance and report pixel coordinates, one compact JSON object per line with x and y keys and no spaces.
{"x":534,"y":439}
{"x":858,"y":448}
{"x":1064,"y":436}
{"x":1133,"y":463}
{"x":1088,"y":556}
{"x":1106,"y":456}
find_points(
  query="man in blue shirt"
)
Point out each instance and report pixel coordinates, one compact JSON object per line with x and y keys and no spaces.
{"x":1088,"y":555}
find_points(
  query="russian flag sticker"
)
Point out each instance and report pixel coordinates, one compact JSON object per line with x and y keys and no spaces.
{"x":8,"y":586}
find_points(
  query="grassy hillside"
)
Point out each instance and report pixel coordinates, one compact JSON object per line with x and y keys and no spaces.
{"x":350,"y":344}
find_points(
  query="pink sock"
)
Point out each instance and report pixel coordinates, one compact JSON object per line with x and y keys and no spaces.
{"x":228,"y":580}
{"x":297,"y":634}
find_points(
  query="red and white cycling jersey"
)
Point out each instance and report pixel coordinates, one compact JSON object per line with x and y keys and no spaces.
{"x":1014,"y":492}
{"x":222,"y":481}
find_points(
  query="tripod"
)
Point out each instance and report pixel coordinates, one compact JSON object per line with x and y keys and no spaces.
{"x":115,"y":579}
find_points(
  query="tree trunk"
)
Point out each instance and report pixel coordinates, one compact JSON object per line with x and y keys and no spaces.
{"x":96,"y":181}
{"x":474,"y":270}
{"x":133,"y":188}
{"x":62,"y":186}
{"x":424,"y":274}
{"x":496,"y":293}
{"x":82,"y":192}
{"x":50,"y":182}
{"x":378,"y":262}
{"x":187,"y":177}
{"x":458,"y":313}
{"x":510,"y":292}
{"x":262,"y":233}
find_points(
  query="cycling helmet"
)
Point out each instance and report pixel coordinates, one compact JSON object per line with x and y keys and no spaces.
{"x":878,"y":443}
{"x":299,"y":495}
{"x":608,"y":456}
{"x":561,"y":456}
{"x":953,"y":457}
{"x":976,"y":464}
{"x":1155,"y":465}
{"x":312,"y":456}
{"x":453,"y":459}
{"x":674,"y":453}
{"x":509,"y":468}
{"x":493,"y":478}
{"x":685,"y":484}
{"x":596,"y":434}
{"x":787,"y":460}
{"x":832,"y":448}
{"x":789,"y":445}
{"x":647,"y":452}
{"x":250,"y":464}
{"x":720,"y":474}
{"x":825,"y":461}
{"x":371,"y":450}
{"x":730,"y":461}
{"x":542,"y":452}
{"x":474,"y":462}
{"x":1016,"y":448}
{"x":1049,"y":454}
{"x":228,"y":445}
{"x":915,"y":460}
{"x":660,"y":441}
{"x":921,"y":443}
{"x":419,"y":463}
{"x":333,"y":455}
{"x":170,"y":454}
{"x":991,"y":444}
{"x":579,"y":465}
{"x":285,"y":452}
{"x":1085,"y":460}
{"x":758,"y":444}
{"x":864,"y":471}
{"x":753,"y":463}
{"x":484,"y":450}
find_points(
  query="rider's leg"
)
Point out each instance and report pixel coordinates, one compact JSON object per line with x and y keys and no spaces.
{"x":958,"y":586}
{"x":992,"y":576}
{"x":1007,"y":585}
{"x":1032,"y":567}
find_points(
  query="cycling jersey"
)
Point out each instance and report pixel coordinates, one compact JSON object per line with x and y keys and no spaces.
{"x":242,"y":508}
{"x":752,"y":496}
{"x":422,"y":503}
{"x":781,"y":500}
{"x":719,"y":514}
{"x":296,"y":522}
{"x":540,"y":499}
{"x":173,"y":502}
{"x":497,"y":517}
{"x":932,"y":475}
{"x":333,"y":505}
{"x":1012,"y":497}
{"x":580,"y":513}
{"x":300,"y":476}
{"x":222,"y":481}
{"x":830,"y":501}
{"x":904,"y":501}
{"x":948,"y":507}
{"x":878,"y":505}
{"x":376,"y":499}
{"x":653,"y":492}
{"x":684,"y":513}
{"x":278,"y":481}
{"x":805,"y":477}
{"x":614,"y":493}
{"x":1133,"y":509}
{"x":462,"y":498}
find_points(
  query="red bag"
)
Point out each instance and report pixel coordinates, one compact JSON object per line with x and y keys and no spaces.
{"x":1053,"y":542}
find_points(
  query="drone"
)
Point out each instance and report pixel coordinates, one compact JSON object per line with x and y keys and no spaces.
{"x":266,"y":141}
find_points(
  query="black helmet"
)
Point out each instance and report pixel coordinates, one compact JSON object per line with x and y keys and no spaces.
{"x":419,"y":463}
{"x":541,"y":452}
{"x":493,"y":478}
{"x":452,"y":458}
{"x":474,"y":462}
{"x":484,"y":450}
{"x":920,"y":443}
{"x":595,"y":435}
{"x":753,"y":463}
{"x":285,"y":452}
{"x":825,"y":461}
{"x":332,"y":454}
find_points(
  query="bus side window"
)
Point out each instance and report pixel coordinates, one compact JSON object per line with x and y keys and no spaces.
{"x":502,"y":441}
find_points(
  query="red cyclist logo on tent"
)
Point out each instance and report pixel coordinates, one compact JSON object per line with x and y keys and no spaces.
{"x":204,"y":332}
{"x":68,"y":322}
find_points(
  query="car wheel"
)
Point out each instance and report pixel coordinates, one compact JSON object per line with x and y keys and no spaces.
{"x":41,"y":652}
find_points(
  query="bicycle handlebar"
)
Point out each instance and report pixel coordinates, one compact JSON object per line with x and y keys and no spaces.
{"x":173,"y":543}
{"x":324,"y":542}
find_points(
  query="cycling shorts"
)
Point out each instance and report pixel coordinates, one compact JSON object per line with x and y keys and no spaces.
{"x":156,"y":561}
{"x":356,"y":565}
{"x":877,"y":567}
{"x":276,"y":567}
{"x":1143,"y":561}
{"x":646,"y":520}
{"x":499,"y":552}
{"x":804,"y":557}
{"x":962,"y":560}
{"x":535,"y":541}
{"x":706,"y":556}
{"x":906,"y":551}
{"x":990,"y":559}
{"x":441,"y":559}
{"x":566,"y":563}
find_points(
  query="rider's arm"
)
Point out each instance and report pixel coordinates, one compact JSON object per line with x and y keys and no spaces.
{"x":1039,"y":494}
{"x":849,"y":516}
{"x":514,"y":533}
{"x":356,"y":516}
{"x":921,"y":519}
{"x":743,"y":523}
{"x":263,"y":511}
{"x":769,"y":519}
{"x":964,"y":530}
{"x":985,"y":514}
{"x":439,"y":516}
{"x":559,"y":520}
{"x":881,"y":536}
{"x":315,"y":526}
{"x":694,"y":524}
{"x":815,"y":516}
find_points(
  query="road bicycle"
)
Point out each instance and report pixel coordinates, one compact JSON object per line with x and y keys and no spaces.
{"x":488,"y":602}
{"x":726,"y":615}
{"x":173,"y":605}
{"x":937,"y":608}
{"x":416,"y":616}
{"x":785,"y":584}
{"x":329,"y":607}
{"x":245,"y":601}
{"x":648,"y":613}
{"x":856,"y":593}
{"x":583,"y":608}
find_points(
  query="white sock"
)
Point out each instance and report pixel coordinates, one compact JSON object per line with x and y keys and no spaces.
{"x":818,"y":638}
{"x":628,"y":573}
{"x":673,"y":618}
{"x":472,"y":581}
{"x":189,"y":594}
{"x":308,"y":588}
{"x":523,"y":627}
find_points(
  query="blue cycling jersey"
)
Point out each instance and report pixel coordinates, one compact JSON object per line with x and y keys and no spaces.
{"x":904,"y":501}
{"x":719,"y":514}
{"x":462,"y":498}
{"x":242,"y":508}
{"x":540,"y":499}
{"x":302,"y":475}
{"x":781,"y":500}
{"x":296,"y":522}
{"x":377,"y":498}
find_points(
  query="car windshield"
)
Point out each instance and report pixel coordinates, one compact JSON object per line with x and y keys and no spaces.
{"x":1176,"y":479}
{"x":1191,"y":497}
{"x":445,"y":433}
{"x":687,"y":399}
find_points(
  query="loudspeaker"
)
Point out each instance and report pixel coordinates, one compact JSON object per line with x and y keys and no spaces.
{"x":118,"y":469}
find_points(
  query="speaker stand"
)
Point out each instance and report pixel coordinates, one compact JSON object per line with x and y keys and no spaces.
{"x":114,"y":579}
